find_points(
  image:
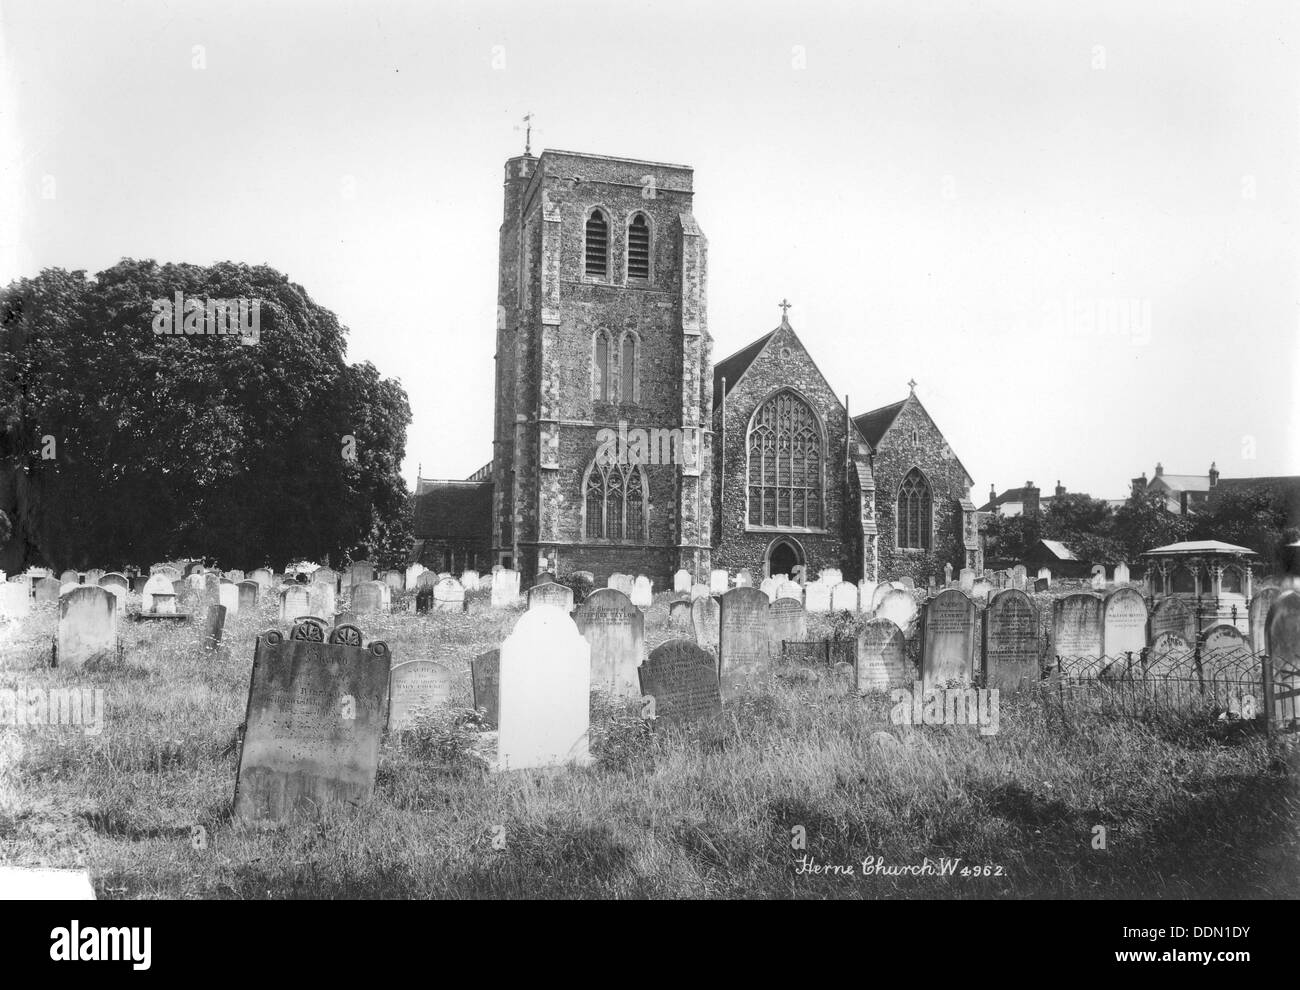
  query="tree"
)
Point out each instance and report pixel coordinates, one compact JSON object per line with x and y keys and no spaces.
{"x":1254,"y":517}
{"x":120,"y":444}
{"x":1010,"y":537}
{"x":1145,"y":522}
{"x":1075,"y":515}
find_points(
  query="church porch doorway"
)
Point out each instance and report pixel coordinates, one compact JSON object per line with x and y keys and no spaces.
{"x":782,"y":557}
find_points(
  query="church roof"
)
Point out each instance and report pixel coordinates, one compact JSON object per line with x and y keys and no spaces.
{"x":731,"y":368}
{"x":872,"y":425}
{"x":456,"y":510}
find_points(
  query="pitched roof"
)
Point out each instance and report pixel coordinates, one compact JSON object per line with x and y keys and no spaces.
{"x":872,"y":425}
{"x":1199,"y":546}
{"x":456,"y":510}
{"x":1184,"y":482}
{"x":733,"y":367}
{"x":1059,"y":550}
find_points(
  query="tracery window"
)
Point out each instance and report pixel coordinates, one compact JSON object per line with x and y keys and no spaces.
{"x":914,"y":512}
{"x":786,"y":454}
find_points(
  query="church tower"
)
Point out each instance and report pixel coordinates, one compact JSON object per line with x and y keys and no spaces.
{"x":602,"y":443}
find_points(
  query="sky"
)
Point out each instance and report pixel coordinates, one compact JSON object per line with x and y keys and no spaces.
{"x":1074,"y":225}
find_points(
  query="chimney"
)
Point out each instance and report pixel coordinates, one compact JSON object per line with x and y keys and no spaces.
{"x":1160,"y":469}
{"x":993,"y":494}
{"x":1140,"y":484}
{"x":1060,"y":488}
{"x":1214,"y":475}
{"x":1182,"y":503}
{"x":1031,"y":500}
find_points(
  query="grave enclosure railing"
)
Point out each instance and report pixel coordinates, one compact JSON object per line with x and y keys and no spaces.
{"x":1228,"y":685}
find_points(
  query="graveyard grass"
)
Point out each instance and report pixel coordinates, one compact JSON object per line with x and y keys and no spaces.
{"x":1189,"y":810}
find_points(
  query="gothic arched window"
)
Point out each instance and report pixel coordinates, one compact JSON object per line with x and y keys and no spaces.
{"x":1230,"y":581}
{"x":597,"y":245}
{"x":627,"y":368}
{"x":614,"y":501}
{"x":600,"y":366}
{"x":914,"y":513}
{"x":785,"y":448}
{"x":638,"y":249}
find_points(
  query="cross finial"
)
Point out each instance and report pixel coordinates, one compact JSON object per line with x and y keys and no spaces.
{"x":785,"y":306}
{"x":912,"y":385}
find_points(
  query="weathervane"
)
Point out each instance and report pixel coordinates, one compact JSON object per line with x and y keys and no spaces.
{"x":528,"y":133}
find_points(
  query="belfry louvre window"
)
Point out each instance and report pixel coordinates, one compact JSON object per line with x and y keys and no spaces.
{"x":785,"y":451}
{"x":597,"y":245}
{"x":614,"y":497}
{"x":914,"y":512}
{"x":638,"y":249}
{"x":600,"y":367}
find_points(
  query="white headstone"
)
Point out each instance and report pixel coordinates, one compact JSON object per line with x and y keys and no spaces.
{"x":156,"y":585}
{"x":642,"y":592}
{"x":87,"y":625}
{"x":682,"y":581}
{"x":844,"y":597}
{"x":768,"y":587}
{"x":505,"y":588}
{"x":717,"y":581}
{"x":817,"y":597}
{"x":830,"y":576}
{"x":228,"y":595}
{"x":449,"y":595}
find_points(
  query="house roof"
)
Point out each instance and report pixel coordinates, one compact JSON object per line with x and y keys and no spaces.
{"x":458,"y":510}
{"x":1058,"y":550}
{"x":1183,"y":482}
{"x":1198,"y":546}
{"x":872,"y":425}
{"x":733,"y":367}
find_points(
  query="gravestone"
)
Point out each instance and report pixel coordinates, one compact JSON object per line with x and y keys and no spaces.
{"x":1098,"y":577}
{"x":395,"y":580}
{"x":699,"y":591}
{"x":683,"y":679}
{"x":679,"y":613}
{"x":1011,"y":641}
{"x":211,"y":589}
{"x":682,"y":581}
{"x":717,"y":581}
{"x":844,"y":597}
{"x":1123,"y":623}
{"x":1019,"y":577}
{"x":46,"y":590}
{"x":545,"y":684}
{"x":614,"y":629}
{"x":623,"y":583}
{"x":642,"y":592}
{"x":947,"y":574}
{"x":551,"y":594}
{"x":295,"y":603}
{"x":30,"y":883}
{"x":900,"y":608}
{"x":949,"y":639}
{"x":704,"y":620}
{"x":15,"y":601}
{"x":743,"y":655}
{"x":1172,"y":615}
{"x":981,"y":589}
{"x":485,"y":678}
{"x":361,"y":572}
{"x":424,"y":601}
{"x":485,"y":581}
{"x":315,"y":717}
{"x":87,"y":625}
{"x":505,"y":588}
{"x":229,"y":598}
{"x":263,"y":577}
{"x":468,"y":579}
{"x":1168,"y":652}
{"x":69,"y":577}
{"x":1076,"y":626}
{"x":790,"y":589}
{"x":1225,"y":651}
{"x":967,"y":578}
{"x":234,"y":576}
{"x":787,"y":622}
{"x":448,"y":596}
{"x":1121,"y":573}
{"x":92,"y":576}
{"x":214,"y":624}
{"x":1041,"y":585}
{"x":768,"y":587}
{"x":1045,"y":574}
{"x":248,"y":594}
{"x":416,"y":684}
{"x":866,"y":594}
{"x":65,"y":588}
{"x":879,"y":594}
{"x":882,"y":657}
{"x":426,"y":579}
{"x":744,"y":578}
{"x":1282,"y":643}
{"x":115,"y":580}
{"x":320,"y":600}
{"x":368,"y":598}
{"x":324,"y":575}
{"x":1258,"y":614}
{"x":817,"y":597}
{"x":158,"y":596}
{"x":830,"y":576}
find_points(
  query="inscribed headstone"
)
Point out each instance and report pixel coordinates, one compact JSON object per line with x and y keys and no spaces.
{"x":950,"y":639}
{"x":614,"y":629}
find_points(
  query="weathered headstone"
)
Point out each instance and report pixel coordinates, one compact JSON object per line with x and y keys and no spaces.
{"x":361,"y":572}
{"x":413,"y":685}
{"x":449,"y":595}
{"x":426,"y":579}
{"x":830,"y":576}
{"x":468,"y":580}
{"x":413,"y":576}
{"x":622,"y":582}
{"x":325,"y":575}
{"x":1168,"y":652}
{"x":717,"y":581}
{"x":615,"y":631}
{"x":1172,"y":615}
{"x":505,"y":588}
{"x":981,"y":589}
{"x":817,"y":597}
{"x":682,"y":581}
{"x":87,"y":625}
{"x":158,"y":596}
{"x":878,"y":595}
{"x":1045,"y":574}
{"x":214,"y":624}
{"x":316,"y":714}
{"x":768,"y":587}
{"x":882,"y":657}
{"x":115,"y":580}
{"x":368,"y":597}
{"x":947,"y":574}
{"x":295,"y":603}
{"x":743,"y":654}
{"x":1011,"y":641}
{"x":1076,"y":626}
{"x":1258,"y":614}
{"x":949,"y":639}
{"x":545,"y":684}
{"x":642,"y":592}
{"x":683,"y":679}
{"x":551,"y":594}
{"x":15,"y":601}
{"x":844,"y":597}
{"x":46,"y":590}
{"x":1041,"y":585}
{"x":263,"y":577}
{"x":229,"y":598}
{"x":699,"y":591}
{"x":787,"y":622}
{"x":899,"y":607}
{"x":679,"y":613}
{"x":485,"y":678}
{"x":321,"y":600}
{"x":93,"y":575}
{"x":1282,"y":643}
{"x":1121,"y":573}
{"x":790,"y":589}
{"x":248,"y":594}
{"x":1019,"y":577}
{"x":69,"y":577}
{"x":1124,"y":623}
{"x":967,"y":578}
{"x":744,"y":578}
{"x":704,"y":620}
{"x":1098,"y":578}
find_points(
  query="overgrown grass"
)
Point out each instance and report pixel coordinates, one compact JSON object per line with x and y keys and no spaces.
{"x":1189,"y":811}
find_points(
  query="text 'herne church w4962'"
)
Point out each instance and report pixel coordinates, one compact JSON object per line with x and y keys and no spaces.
{"x":619,"y":445}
